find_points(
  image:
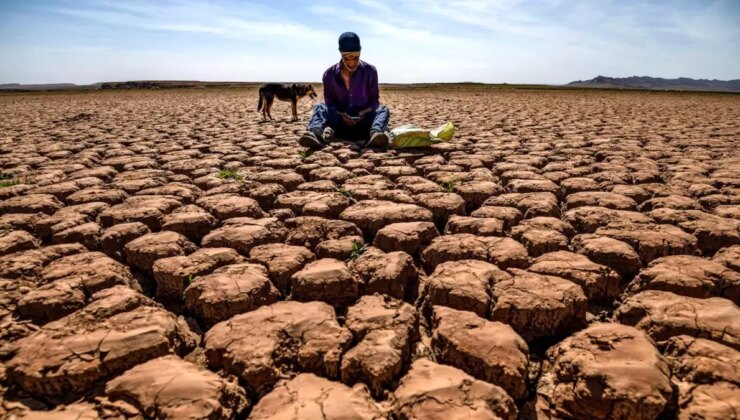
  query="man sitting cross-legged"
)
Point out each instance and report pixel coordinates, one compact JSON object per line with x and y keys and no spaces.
{"x":351,"y":108}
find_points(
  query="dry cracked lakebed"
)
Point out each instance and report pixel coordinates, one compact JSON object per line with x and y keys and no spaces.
{"x":163,"y":254}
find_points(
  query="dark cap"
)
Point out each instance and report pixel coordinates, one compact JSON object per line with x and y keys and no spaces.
{"x":349,"y":41}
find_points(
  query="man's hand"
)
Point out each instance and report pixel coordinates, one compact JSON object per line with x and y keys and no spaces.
{"x":348,"y":121}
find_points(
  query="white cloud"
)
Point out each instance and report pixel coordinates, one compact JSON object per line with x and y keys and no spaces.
{"x":197,"y":18}
{"x":527,"y":41}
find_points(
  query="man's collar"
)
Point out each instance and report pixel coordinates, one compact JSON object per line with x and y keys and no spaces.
{"x":338,"y":67}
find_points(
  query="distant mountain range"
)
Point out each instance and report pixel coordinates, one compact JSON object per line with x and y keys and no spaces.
{"x":48,"y":86}
{"x":657,"y":83}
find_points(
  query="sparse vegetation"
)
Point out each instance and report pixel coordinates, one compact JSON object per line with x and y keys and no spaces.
{"x":190,"y":278}
{"x":449,"y":186}
{"x":7,"y":180}
{"x":303,"y":154}
{"x":230,"y":174}
{"x":358,"y":248}
{"x":344,"y":192}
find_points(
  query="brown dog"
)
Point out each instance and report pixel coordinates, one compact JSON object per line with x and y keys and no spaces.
{"x":292,"y":93}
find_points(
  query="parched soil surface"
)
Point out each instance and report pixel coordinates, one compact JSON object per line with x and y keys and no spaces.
{"x":165,"y":254}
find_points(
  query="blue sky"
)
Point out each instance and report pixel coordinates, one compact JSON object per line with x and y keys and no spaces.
{"x":514,"y":41}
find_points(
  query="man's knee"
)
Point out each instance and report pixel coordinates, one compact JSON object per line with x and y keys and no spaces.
{"x":382,"y":108}
{"x":320,"y":106}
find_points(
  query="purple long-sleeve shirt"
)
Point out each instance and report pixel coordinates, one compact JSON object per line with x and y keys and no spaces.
{"x":363,"y":89}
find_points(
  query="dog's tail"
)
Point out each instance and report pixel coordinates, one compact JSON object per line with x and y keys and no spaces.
{"x":259,"y":104}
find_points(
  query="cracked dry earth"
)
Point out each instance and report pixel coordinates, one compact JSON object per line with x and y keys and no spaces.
{"x":569,"y":255}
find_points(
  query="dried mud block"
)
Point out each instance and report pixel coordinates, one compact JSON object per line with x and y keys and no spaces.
{"x":281,"y":261}
{"x":245,"y":233}
{"x":192,"y":224}
{"x":432,"y":391}
{"x":729,"y":257}
{"x":68,"y":283}
{"x":27,"y":265}
{"x":531,"y":204}
{"x":475,"y":226}
{"x":173,"y":274}
{"x":149,"y":210}
{"x":652,"y":241}
{"x":170,"y":387}
{"x":464,"y":285}
{"x":708,"y":376}
{"x":675,"y":202}
{"x":504,"y":252}
{"x":663,"y":315}
{"x":228,"y":291}
{"x":538,"y":306}
{"x":712,"y":232}
{"x":312,"y":203}
{"x":143,"y":251}
{"x":372,"y":215}
{"x":58,"y":222}
{"x":688,"y":276}
{"x":31,"y":203}
{"x":340,"y":249}
{"x":118,"y":330}
{"x":289,"y":179}
{"x":87,"y":234}
{"x":17,"y":241}
{"x":607,"y":200}
{"x":309,"y":396}
{"x":384,"y":329}
{"x":309,"y":231}
{"x":227,"y":206}
{"x":113,"y":239}
{"x":259,"y":346}
{"x":545,"y":223}
{"x":599,"y":283}
{"x":392,"y":273}
{"x":488,"y":350}
{"x":475,"y":193}
{"x":510,"y":216}
{"x":606,"y":371}
{"x":587,"y":219}
{"x":409,"y":237}
{"x":540,"y":241}
{"x":442,"y":205}
{"x":615,"y":254}
{"x":327,"y":280}
{"x":111,"y":196}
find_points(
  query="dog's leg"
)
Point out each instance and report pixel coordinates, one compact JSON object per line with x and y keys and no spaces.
{"x":294,"y":108}
{"x":269,"y":107}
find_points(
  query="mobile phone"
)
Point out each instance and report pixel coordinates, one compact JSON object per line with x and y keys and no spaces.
{"x":355,"y":118}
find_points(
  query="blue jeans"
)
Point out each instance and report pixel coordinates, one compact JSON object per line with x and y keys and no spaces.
{"x":376,"y":120}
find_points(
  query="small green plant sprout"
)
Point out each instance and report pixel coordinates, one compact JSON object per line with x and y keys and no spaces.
{"x":230,"y":174}
{"x":449,"y":186}
{"x":7,"y":180}
{"x":345,"y":192}
{"x":5,"y":230}
{"x":303,"y":154}
{"x":190,"y":278}
{"x":358,"y":248}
